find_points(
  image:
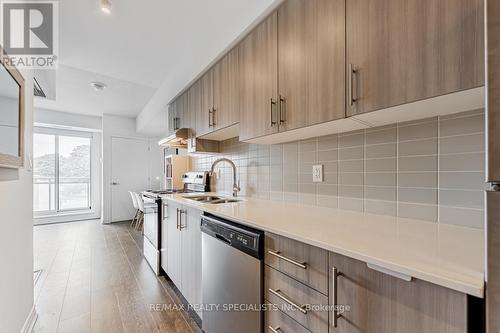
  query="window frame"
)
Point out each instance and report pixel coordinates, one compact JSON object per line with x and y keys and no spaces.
{"x":68,"y":133}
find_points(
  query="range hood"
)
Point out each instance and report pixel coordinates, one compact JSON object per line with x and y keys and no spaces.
{"x":183,"y":138}
{"x":179,"y":139}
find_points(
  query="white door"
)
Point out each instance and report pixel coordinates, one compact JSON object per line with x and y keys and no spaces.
{"x":129,"y":172}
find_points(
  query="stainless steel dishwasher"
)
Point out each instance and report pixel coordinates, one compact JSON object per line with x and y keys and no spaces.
{"x":232,"y":277}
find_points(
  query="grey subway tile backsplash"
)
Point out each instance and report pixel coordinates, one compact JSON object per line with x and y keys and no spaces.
{"x":418,"y":211}
{"x":381,"y":207}
{"x":426,"y":129}
{"x":430,"y":169}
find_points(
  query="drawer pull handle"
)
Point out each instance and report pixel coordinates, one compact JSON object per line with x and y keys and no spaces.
{"x":276,"y":329}
{"x":301,"y":308}
{"x":277,"y":254}
{"x":336,"y":315}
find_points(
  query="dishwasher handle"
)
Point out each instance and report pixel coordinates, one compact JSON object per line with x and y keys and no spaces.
{"x":223,"y":239}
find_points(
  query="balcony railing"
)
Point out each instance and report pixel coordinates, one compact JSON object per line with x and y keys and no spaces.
{"x":73,"y":194}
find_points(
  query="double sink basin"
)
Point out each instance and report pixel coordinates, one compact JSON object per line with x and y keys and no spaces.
{"x":211,"y":199}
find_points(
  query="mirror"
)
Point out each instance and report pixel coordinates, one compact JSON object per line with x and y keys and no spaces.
{"x":11,"y":117}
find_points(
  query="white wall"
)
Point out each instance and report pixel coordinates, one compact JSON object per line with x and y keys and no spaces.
{"x":16,"y":236}
{"x":115,"y":126}
{"x":45,"y":116}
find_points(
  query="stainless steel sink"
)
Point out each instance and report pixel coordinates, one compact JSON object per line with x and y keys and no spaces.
{"x":211,"y":199}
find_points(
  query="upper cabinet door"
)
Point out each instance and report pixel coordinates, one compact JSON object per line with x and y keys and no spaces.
{"x":172,"y":115}
{"x":226,"y":83}
{"x":181,"y":110}
{"x":399,"y":51}
{"x":311,"y":62}
{"x":258,"y":57}
{"x":204,"y":119}
{"x":195,"y":110}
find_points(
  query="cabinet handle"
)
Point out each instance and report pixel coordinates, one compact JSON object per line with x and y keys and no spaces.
{"x":181,"y":211}
{"x":276,"y":329}
{"x":213,"y":116}
{"x":352,"y":75}
{"x":278,"y":254}
{"x":282,"y":110}
{"x":177,"y":226}
{"x":273,"y":104}
{"x":301,"y":308}
{"x":210,"y":117}
{"x":336,"y":315}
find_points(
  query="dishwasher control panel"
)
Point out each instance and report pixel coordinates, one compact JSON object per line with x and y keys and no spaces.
{"x":241,"y":237}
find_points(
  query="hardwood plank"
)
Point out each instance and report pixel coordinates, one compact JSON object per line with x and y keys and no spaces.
{"x":96,"y":280}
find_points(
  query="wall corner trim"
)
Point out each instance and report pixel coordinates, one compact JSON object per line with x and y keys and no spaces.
{"x":29,"y":324}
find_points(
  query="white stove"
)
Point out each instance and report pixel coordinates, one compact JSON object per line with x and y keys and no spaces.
{"x":194,"y":182}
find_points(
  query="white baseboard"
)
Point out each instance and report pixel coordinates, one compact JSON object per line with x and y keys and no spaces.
{"x":29,"y":324}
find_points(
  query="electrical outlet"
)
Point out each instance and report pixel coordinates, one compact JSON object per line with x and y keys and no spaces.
{"x":318,"y":173}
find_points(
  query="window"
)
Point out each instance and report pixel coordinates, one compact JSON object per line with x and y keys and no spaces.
{"x":61,"y":173}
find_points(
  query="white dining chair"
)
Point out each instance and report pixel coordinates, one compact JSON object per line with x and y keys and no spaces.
{"x":136,"y":207}
{"x":140,"y":203}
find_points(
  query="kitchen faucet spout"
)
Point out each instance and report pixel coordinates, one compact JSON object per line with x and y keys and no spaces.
{"x":236,"y":185}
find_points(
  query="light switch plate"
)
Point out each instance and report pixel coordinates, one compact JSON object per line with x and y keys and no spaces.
{"x":318,"y":173}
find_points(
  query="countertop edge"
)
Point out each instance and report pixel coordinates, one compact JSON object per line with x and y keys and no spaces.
{"x":473,"y":289}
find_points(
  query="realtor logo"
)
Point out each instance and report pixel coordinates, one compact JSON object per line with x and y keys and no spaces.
{"x":29,"y":34}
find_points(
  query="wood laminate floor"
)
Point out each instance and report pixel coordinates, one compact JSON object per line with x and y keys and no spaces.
{"x":94,"y":279}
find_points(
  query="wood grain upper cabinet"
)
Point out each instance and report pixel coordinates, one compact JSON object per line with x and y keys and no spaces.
{"x":311,"y":62}
{"x":172,"y":115}
{"x":182,"y":111}
{"x":204,"y":113}
{"x":226,"y":91}
{"x":403,"y":51}
{"x":375,"y":302}
{"x":258,"y":58}
{"x":194,"y":98}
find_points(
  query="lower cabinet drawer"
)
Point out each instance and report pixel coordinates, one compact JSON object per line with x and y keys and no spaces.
{"x":305,"y":305}
{"x":277,"y":321}
{"x":305,"y":263}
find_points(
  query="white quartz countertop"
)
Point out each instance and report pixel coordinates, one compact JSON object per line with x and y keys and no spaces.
{"x":446,"y":255}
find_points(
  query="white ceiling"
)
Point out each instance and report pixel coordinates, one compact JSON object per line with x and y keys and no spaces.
{"x":75,"y":95}
{"x":142,"y":46}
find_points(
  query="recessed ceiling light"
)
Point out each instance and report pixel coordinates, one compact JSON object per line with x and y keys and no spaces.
{"x":98,"y":86}
{"x":106,"y":6}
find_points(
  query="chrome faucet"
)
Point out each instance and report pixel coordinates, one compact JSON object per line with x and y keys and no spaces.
{"x":236,"y":185}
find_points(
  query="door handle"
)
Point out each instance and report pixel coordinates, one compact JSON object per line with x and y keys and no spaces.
{"x":282,"y":110}
{"x":301,"y":308}
{"x":214,"y":110}
{"x":273,"y":104}
{"x":352,"y":74}
{"x":115,"y":183}
{"x":181,"y":211}
{"x":276,"y":329}
{"x":336,"y":315}
{"x":278,"y":254}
